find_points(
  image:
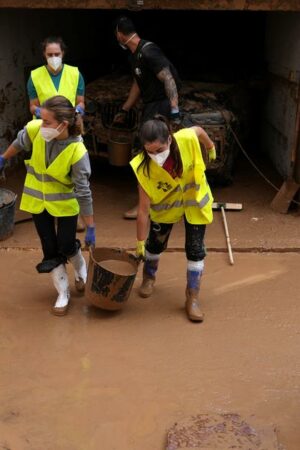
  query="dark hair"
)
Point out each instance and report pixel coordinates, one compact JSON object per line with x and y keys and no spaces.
{"x":63,"y":109}
{"x":158,"y":129}
{"x":53,"y":40}
{"x":124,"y":25}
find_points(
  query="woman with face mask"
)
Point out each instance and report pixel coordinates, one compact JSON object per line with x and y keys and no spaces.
{"x":172,"y":185}
{"x":56,"y":186}
{"x":55,"y":78}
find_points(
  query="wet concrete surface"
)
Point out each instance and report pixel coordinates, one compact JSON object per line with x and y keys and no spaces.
{"x":98,"y":380}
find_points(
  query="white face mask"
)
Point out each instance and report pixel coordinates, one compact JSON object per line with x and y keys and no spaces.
{"x":54,"y":62}
{"x":50,"y":133}
{"x":160,"y":158}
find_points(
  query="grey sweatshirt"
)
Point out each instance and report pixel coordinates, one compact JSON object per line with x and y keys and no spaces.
{"x":80,"y":172}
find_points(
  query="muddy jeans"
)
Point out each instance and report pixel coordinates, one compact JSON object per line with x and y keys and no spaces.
{"x":194,"y":239}
{"x":58,"y":241}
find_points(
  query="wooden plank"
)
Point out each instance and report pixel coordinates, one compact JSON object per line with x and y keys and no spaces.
{"x":247,"y":5}
{"x":284,"y":196}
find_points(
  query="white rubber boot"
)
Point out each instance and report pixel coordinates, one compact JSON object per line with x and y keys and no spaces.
{"x":61,"y":283}
{"x":80,"y":269}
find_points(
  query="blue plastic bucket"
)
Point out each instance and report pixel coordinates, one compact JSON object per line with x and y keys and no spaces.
{"x":7,"y":213}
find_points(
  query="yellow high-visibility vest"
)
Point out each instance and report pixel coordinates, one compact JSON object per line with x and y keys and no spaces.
{"x":172,"y":198}
{"x":45,"y":88}
{"x":51,"y":187}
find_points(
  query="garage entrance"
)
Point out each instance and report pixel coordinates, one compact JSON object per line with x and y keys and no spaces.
{"x":256,"y":53}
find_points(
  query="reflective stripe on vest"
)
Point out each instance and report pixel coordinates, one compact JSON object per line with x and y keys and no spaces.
{"x":48,"y":197}
{"x":45,"y":88}
{"x":44,"y":177}
{"x":178,"y":204}
{"x":188,"y":195}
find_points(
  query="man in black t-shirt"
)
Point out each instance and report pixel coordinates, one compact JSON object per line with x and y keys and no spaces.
{"x":155,"y":80}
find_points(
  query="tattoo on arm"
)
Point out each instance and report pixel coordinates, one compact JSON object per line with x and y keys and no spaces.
{"x":166,"y":77}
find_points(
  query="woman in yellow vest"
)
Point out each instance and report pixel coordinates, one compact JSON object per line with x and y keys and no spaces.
{"x":172,"y":185}
{"x":56,"y":185}
{"x":55,"y":78}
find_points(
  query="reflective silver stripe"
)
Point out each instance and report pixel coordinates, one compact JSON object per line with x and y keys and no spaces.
{"x":48,"y":197}
{"x":44,"y":177}
{"x":200,"y":204}
{"x":191,"y":186}
{"x":166,"y":206}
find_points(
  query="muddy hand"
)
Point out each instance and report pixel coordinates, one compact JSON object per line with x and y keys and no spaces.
{"x":90,"y":236}
{"x":120,"y":117}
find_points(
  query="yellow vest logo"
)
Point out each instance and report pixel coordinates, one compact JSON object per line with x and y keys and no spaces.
{"x":164,"y":186}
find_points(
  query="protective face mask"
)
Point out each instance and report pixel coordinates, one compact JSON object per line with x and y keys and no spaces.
{"x":54,"y":62}
{"x":50,"y":133}
{"x":160,"y":158}
{"x":123,"y":46}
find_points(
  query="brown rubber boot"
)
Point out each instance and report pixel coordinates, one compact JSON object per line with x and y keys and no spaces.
{"x":147,"y":286}
{"x":149,"y":271}
{"x":192,"y":305}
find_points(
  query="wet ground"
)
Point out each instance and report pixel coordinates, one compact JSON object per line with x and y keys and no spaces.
{"x":97,"y":380}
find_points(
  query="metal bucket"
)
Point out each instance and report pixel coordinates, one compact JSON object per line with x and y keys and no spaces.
{"x":7,"y":213}
{"x":106,"y":289}
{"x":119,"y":147}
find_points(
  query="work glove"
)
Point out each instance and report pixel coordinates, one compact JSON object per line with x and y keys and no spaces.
{"x":175,"y":119}
{"x":90,"y":236}
{"x":140,"y":249}
{"x":212,"y":154}
{"x":79,"y":110}
{"x":37,"y":112}
{"x":2,"y":162}
{"x":120,"y":117}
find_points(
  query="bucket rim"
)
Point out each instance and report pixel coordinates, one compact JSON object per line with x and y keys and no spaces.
{"x":12,"y":202}
{"x":119,"y":250}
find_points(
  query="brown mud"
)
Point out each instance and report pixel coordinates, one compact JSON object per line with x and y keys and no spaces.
{"x":99,"y":380}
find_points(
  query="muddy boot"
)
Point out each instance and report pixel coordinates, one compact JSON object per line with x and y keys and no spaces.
{"x":80,"y":269}
{"x":80,"y":225}
{"x":61,"y":283}
{"x":149,"y":271}
{"x":131,"y":213}
{"x":192,"y":304}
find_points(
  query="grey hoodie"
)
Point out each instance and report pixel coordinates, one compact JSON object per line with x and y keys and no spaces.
{"x":80,"y":172}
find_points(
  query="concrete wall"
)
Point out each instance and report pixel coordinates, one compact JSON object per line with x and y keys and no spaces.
{"x":282,"y":51}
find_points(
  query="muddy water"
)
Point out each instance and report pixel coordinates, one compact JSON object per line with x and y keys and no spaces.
{"x":117,"y":267}
{"x":94,"y":380}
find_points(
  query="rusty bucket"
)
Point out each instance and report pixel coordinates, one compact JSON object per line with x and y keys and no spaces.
{"x":107,"y":286}
{"x":119,"y":147}
{"x":7,"y":213}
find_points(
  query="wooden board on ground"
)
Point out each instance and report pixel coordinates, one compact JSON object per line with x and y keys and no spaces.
{"x":282,"y":200}
{"x":222,"y":432}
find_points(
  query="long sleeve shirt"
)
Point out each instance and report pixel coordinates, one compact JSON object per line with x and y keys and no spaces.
{"x":80,"y":172}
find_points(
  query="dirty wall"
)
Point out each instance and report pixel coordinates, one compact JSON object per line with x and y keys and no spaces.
{"x":282,"y":50}
{"x":21,"y":32}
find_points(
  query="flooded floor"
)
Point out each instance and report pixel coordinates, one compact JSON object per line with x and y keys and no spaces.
{"x":118,"y":381}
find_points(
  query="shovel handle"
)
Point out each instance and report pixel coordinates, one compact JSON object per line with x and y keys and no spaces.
{"x":227,"y":236}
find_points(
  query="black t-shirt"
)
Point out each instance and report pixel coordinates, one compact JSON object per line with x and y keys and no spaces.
{"x":146,"y":62}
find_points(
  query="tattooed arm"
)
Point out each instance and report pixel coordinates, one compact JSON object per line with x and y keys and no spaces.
{"x":166,"y":77}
